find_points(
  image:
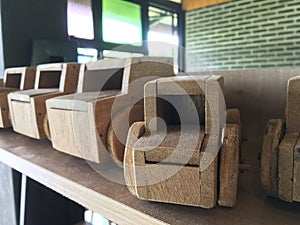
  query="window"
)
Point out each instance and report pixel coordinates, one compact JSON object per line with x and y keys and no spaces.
{"x":163,"y":35}
{"x":117,"y":28}
{"x":177,"y":1}
{"x":119,"y":54}
{"x":80,"y":19}
{"x":85,"y":55}
{"x":121,"y":22}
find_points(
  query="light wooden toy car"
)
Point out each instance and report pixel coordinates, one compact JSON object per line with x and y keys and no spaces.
{"x":28,"y":107}
{"x":280,"y":156}
{"x":19,"y":78}
{"x":108,"y":90}
{"x":178,"y":160}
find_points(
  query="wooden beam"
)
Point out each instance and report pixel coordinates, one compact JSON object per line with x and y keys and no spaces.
{"x":188,"y":5}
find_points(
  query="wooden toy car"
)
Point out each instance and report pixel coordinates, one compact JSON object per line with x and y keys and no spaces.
{"x":172,"y":156}
{"x":280,"y":156}
{"x":108,"y":90}
{"x":19,"y":78}
{"x":28,"y":108}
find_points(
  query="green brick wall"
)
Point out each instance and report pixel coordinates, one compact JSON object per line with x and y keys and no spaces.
{"x":244,"y":34}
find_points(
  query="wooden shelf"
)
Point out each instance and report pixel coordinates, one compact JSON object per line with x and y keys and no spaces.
{"x":75,"y":179}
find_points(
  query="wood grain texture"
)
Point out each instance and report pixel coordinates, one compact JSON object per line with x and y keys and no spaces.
{"x":178,"y":145}
{"x":135,"y":132}
{"x":23,"y":115}
{"x":46,"y":127}
{"x":81,"y":77}
{"x":248,"y":90}
{"x":79,"y":101}
{"x":140,"y":178}
{"x":167,"y":159}
{"x":269,"y":156}
{"x":184,"y":93}
{"x":208,"y":185}
{"x":293,"y":105}
{"x":19,"y":77}
{"x":181,"y":188}
{"x":215,"y":111}
{"x":69,"y":78}
{"x":4,"y":114}
{"x":233,"y":116}
{"x":286,"y":166}
{"x":118,"y":130}
{"x":189,"y":5}
{"x":28,"y":107}
{"x":96,"y":108}
{"x":75,"y":179}
{"x":148,"y":67}
{"x":296,"y":172}
{"x":187,"y":185}
{"x":83,"y":138}
{"x":27,"y":117}
{"x":72,"y":139}
{"x":150,"y":102}
{"x":28,"y":78}
{"x":90,"y":191}
{"x":48,"y":75}
{"x":209,"y":171}
{"x":180,"y":85}
{"x":229,"y":167}
{"x":24,"y":96}
{"x":14,"y":79}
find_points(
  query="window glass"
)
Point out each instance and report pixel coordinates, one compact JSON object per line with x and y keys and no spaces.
{"x":80,"y":19}
{"x":121,"y":22}
{"x":85,"y":55}
{"x":163,"y":35}
{"x":119,"y":54}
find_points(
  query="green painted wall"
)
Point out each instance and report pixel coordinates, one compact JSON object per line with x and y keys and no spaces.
{"x":245,"y":34}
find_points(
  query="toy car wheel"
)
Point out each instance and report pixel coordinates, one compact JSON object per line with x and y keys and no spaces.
{"x":269,"y":156}
{"x":135,"y":132}
{"x":118,"y":130}
{"x":46,"y":127}
{"x":229,"y":167}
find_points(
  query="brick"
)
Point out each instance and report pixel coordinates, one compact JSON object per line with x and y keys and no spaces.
{"x":268,"y":24}
{"x":227,"y":34}
{"x":286,"y":11}
{"x":251,"y":67}
{"x":285,"y":65}
{"x":294,"y":37}
{"x":293,"y":4}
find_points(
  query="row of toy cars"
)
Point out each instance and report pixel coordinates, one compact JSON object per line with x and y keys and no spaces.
{"x":86,"y":111}
{"x":173,"y":134}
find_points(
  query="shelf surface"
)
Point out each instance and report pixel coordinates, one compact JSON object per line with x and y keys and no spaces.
{"x":259,"y":94}
{"x":75,"y":179}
